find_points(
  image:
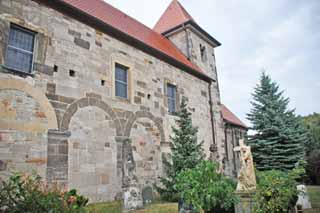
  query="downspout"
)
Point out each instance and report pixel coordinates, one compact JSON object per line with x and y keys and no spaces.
{"x":226,"y":141}
{"x":211,"y":115}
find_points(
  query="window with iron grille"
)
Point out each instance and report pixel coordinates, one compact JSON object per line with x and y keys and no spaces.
{"x":121,"y":81}
{"x":172,"y":95}
{"x":20,"y":49}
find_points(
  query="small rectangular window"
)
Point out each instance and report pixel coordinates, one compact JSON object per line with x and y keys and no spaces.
{"x":20,"y":49}
{"x":172,"y":97}
{"x":121,"y":81}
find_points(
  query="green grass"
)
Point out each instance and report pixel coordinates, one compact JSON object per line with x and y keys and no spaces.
{"x":115,"y":207}
{"x":159,"y":208}
{"x":314,"y":195}
{"x":109,"y":207}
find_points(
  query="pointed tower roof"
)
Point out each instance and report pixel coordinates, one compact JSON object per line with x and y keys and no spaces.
{"x":174,"y":15}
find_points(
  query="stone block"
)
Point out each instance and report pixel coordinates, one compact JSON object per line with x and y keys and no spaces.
{"x":3,"y":165}
{"x":141,"y":94}
{"x":74,"y":33}
{"x":42,"y":68}
{"x":82,"y":43}
{"x":104,"y":179}
{"x":137,"y":100}
{"x":93,"y":95}
{"x":142,"y":84}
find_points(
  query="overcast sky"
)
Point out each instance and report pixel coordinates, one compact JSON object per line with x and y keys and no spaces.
{"x":280,"y":36}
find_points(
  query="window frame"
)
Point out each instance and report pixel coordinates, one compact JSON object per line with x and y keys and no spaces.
{"x":33,"y":53}
{"x":126,"y":69}
{"x":172,"y":98}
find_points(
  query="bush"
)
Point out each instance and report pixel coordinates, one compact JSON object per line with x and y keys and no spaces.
{"x":205,"y":188}
{"x":313,"y":166}
{"x":276,"y":190}
{"x":28,"y":193}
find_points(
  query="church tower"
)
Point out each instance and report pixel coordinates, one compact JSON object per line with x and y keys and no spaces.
{"x":198,"y":46}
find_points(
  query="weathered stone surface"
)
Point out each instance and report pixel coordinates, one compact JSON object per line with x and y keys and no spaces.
{"x":57,"y":160}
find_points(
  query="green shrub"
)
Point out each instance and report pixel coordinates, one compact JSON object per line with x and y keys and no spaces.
{"x":205,"y":188}
{"x":276,"y":190}
{"x":28,"y":193}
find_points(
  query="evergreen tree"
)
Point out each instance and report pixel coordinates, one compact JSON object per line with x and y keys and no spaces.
{"x":279,"y":136}
{"x":186,"y":152}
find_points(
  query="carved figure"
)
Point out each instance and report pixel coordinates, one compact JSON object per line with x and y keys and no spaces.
{"x":246,"y":176}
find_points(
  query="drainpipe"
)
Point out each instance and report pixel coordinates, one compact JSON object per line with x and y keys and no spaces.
{"x":211,"y":115}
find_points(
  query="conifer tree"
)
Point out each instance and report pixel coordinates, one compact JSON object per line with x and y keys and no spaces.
{"x":279,"y":136}
{"x":186,"y":152}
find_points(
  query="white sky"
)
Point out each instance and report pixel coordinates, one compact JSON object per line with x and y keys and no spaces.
{"x":280,"y":36}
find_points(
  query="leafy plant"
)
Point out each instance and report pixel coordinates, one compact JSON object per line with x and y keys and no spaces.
{"x":186,"y":152}
{"x":28,"y":193}
{"x":276,"y":190}
{"x":205,"y":188}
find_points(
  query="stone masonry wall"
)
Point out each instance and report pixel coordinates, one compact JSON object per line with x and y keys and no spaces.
{"x":190,"y":43}
{"x":84,"y":104}
{"x":23,"y":138}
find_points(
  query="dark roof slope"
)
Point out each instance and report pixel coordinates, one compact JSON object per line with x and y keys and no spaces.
{"x":229,"y":117}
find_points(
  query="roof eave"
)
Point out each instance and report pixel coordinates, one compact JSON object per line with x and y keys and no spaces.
{"x":124,"y":37}
{"x":236,"y":124}
{"x":197,"y":27}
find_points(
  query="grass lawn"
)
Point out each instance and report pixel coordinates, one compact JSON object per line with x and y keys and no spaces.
{"x":314,"y":195}
{"x":115,"y":207}
{"x":159,"y":208}
{"x":110,"y":207}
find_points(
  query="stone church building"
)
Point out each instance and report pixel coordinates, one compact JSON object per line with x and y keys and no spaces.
{"x":88,"y":94}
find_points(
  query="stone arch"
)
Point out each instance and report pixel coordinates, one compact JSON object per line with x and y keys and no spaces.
{"x":145,"y":114}
{"x":85,"y":102}
{"x":47,"y":108}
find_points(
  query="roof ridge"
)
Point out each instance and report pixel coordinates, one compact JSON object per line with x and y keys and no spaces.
{"x":173,"y":16}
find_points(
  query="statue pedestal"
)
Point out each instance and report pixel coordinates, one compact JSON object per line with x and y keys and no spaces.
{"x":246,"y":202}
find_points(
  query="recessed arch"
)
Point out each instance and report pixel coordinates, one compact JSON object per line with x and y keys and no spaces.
{"x":85,"y":102}
{"x":15,"y":84}
{"x":145,"y":114}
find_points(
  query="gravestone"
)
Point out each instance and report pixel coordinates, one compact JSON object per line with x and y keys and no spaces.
{"x":147,"y":195}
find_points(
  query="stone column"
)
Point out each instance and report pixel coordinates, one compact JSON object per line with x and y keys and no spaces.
{"x":57,"y":163}
{"x":246,"y":202}
{"x":132,"y":197}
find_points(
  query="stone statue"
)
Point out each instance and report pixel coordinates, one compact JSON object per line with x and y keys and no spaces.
{"x":246,"y":176}
{"x":132,"y":197}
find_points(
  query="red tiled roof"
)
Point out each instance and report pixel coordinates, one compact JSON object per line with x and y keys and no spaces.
{"x":230,"y":117}
{"x":174,"y":15}
{"x":124,"y":23}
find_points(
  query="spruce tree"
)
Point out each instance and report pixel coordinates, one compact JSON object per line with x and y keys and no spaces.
{"x":277,"y":142}
{"x":186,"y":152}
